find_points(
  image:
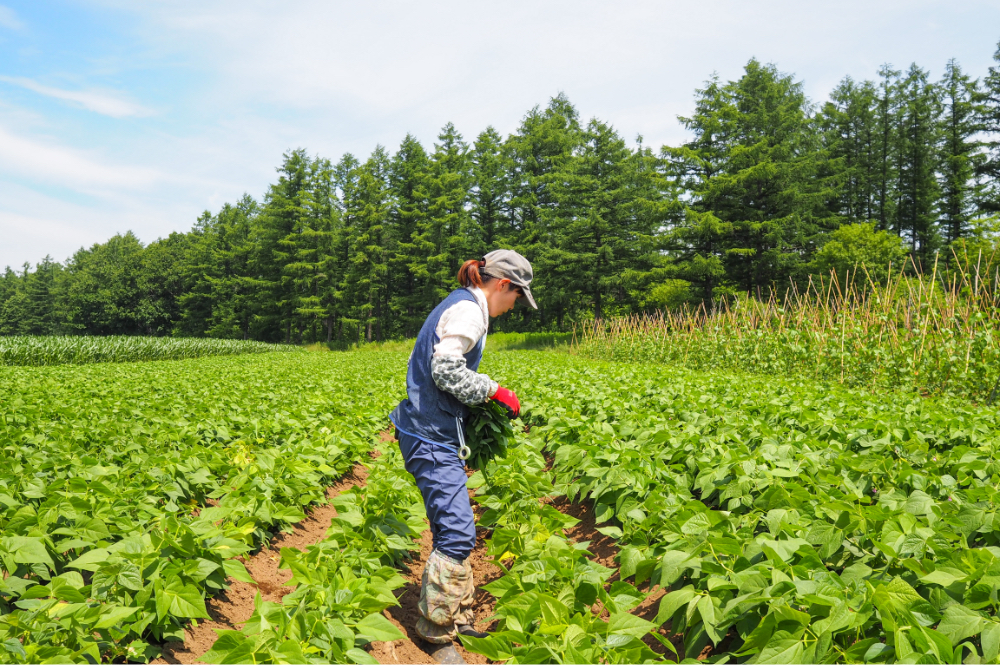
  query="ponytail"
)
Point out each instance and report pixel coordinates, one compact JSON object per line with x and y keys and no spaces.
{"x":469,"y":275}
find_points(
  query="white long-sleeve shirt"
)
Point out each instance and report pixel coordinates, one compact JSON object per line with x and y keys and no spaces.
{"x":459,"y":329}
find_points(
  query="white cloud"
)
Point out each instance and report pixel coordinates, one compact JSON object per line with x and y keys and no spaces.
{"x":106,"y":103}
{"x":8,"y":19}
{"x":236,"y":83}
{"x":24,"y":234}
{"x":59,"y":166}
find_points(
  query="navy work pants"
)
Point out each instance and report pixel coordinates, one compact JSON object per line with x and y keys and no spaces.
{"x":440,"y":475}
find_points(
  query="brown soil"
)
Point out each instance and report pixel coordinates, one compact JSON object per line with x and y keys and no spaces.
{"x":604,"y":550}
{"x":412,"y":649}
{"x":234,"y":606}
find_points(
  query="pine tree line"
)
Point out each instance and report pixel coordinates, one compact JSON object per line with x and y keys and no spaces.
{"x":769,"y":190}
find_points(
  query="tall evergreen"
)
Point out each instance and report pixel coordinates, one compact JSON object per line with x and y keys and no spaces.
{"x":918,"y":191}
{"x":886,"y":146}
{"x":535,"y":154}
{"x":849,"y":135}
{"x":606,"y":218}
{"x":989,"y":118}
{"x":26,"y":302}
{"x":408,"y":173}
{"x":440,"y":242}
{"x":960,"y":151}
{"x":490,"y":194}
{"x":283,"y":220}
{"x":753,"y":168}
{"x":366,"y":279}
{"x":346,"y":174}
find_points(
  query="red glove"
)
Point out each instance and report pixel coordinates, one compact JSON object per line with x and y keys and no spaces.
{"x":509,"y":400}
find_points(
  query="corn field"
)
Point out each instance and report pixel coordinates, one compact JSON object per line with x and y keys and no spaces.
{"x":931,"y":334}
{"x":34,"y":351}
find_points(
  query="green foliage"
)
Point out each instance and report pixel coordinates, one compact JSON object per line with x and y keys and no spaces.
{"x":860,"y":249}
{"x":39,"y":351}
{"x":792,"y":521}
{"x":362,"y":249}
{"x":909,"y":334}
{"x":488,"y":434}
{"x":127,"y":491}
{"x":757,"y":203}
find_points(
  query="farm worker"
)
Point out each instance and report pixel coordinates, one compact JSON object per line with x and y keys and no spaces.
{"x":441,"y":380}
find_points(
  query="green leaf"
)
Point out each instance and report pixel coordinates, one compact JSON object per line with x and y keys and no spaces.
{"x":991,"y":642}
{"x":672,"y":602}
{"x":623,"y":623}
{"x":29,"y":550}
{"x":90,"y":560}
{"x":376,"y":628}
{"x":237,"y":571}
{"x":555,"y":615}
{"x":359,"y":656}
{"x":629,"y":559}
{"x":782,"y":650}
{"x":671,"y":566}
{"x":960,"y":622}
{"x":944,"y":576}
{"x":610,"y":531}
{"x":181,"y":600}
{"x":113,"y":615}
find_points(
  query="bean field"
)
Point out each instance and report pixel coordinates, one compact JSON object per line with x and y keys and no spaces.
{"x":648,"y":513}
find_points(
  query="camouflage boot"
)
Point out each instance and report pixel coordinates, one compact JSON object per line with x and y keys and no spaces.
{"x":445,"y":598}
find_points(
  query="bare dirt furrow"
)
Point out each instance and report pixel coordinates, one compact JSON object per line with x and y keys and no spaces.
{"x":604,"y":550}
{"x":234,"y":606}
{"x":412,"y":649}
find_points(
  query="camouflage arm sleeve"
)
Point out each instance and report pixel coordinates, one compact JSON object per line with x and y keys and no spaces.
{"x":452,"y":376}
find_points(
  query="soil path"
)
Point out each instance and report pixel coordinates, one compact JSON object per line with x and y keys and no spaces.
{"x":410,"y":649}
{"x":234,"y":606}
{"x":603,"y":550}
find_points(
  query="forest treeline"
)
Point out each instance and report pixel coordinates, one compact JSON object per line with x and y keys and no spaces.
{"x":770,"y":190}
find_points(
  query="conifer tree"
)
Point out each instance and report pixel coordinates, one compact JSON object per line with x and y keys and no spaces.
{"x":960,"y":151}
{"x":542,"y":145}
{"x":284,"y":218}
{"x":919,"y":137}
{"x":606,"y":221}
{"x":345,"y":178}
{"x":753,"y":166}
{"x":989,"y":121}
{"x":886,"y":147}
{"x":849,"y":137}
{"x":490,"y":194}
{"x":233,"y":288}
{"x":408,"y":173}
{"x":439,"y":241}
{"x":366,"y":280}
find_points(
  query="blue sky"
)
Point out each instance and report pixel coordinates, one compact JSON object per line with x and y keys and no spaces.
{"x":119,"y":115}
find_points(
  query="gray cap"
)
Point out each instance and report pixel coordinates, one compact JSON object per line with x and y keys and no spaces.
{"x":508,"y":264}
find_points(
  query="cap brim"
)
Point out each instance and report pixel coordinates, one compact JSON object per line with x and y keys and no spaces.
{"x":531,"y":298}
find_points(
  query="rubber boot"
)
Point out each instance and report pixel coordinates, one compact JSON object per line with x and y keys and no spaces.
{"x":444,"y":653}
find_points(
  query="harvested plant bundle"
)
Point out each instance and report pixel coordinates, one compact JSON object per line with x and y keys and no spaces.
{"x":488,"y":432}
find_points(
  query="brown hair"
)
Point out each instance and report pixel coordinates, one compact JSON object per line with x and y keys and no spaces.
{"x":469,"y":275}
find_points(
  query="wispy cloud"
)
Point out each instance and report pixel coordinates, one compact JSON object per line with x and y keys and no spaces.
{"x":105,"y":103}
{"x":8,"y":19}
{"x":64,"y":167}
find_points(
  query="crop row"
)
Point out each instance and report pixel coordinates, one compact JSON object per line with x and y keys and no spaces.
{"x":792,"y":522}
{"x":36,"y":351}
{"x":128,"y":491}
{"x":547,"y":598}
{"x":343,"y":583}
